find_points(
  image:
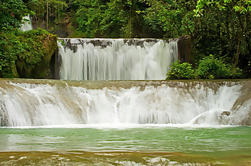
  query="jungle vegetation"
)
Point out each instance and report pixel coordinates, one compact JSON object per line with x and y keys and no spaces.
{"x":221,"y":28}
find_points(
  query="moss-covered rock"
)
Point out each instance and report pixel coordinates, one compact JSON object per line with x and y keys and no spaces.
{"x":29,"y":54}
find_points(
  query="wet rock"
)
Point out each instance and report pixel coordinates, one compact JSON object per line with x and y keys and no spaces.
{"x":225,"y":113}
{"x":139,"y":42}
{"x":185,"y":49}
{"x":3,"y":115}
{"x":72,"y":43}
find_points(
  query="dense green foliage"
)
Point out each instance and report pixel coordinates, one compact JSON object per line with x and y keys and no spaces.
{"x":213,"y":68}
{"x":180,"y":71}
{"x":8,"y":49}
{"x":22,"y":52}
{"x":114,"y":18}
{"x":221,"y":27}
{"x":209,"y":68}
{"x":11,"y":13}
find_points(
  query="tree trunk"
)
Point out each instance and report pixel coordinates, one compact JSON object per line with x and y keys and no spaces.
{"x":131,"y":8}
{"x":47,"y":16}
{"x":237,"y":55}
{"x":242,"y":34}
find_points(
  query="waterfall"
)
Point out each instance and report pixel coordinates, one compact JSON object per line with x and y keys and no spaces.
{"x":26,"y":26}
{"x":32,"y":104}
{"x":116,"y":59}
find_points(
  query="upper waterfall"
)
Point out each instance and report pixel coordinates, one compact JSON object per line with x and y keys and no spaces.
{"x":26,"y":26}
{"x":116,"y":59}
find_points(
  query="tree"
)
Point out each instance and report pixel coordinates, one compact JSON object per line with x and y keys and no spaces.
{"x":227,"y":24}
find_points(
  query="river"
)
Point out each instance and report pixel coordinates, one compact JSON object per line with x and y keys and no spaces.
{"x":55,"y":122}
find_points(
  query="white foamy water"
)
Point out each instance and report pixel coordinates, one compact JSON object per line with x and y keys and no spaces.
{"x":26,"y":26}
{"x":116,"y":59}
{"x":41,"y":105}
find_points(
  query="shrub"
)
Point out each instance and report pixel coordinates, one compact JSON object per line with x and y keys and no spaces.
{"x":236,"y":73}
{"x":213,"y":68}
{"x":180,"y":71}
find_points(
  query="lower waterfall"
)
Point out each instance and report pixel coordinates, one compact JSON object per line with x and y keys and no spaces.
{"x":116,"y":59}
{"x":31,"y":104}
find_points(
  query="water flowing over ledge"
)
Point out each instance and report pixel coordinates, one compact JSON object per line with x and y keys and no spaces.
{"x":27,"y":25}
{"x":116,"y":59}
{"x":145,"y":102}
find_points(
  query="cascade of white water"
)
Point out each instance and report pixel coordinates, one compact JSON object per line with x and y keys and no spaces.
{"x":26,"y":26}
{"x":116,"y":59}
{"x":38,"y":105}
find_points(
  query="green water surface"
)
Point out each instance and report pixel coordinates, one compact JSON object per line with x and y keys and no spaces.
{"x":217,"y":143}
{"x":167,"y":139}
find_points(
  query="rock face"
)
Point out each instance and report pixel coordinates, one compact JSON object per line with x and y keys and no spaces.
{"x":185,"y":49}
{"x":244,"y":102}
